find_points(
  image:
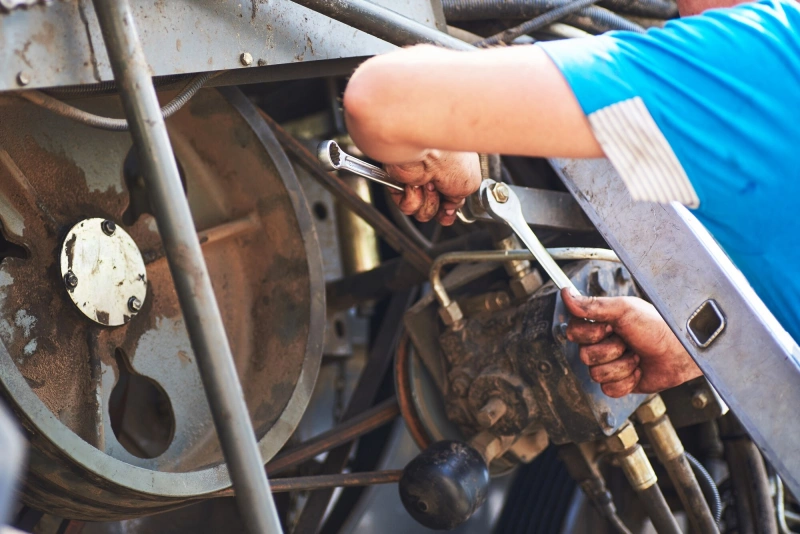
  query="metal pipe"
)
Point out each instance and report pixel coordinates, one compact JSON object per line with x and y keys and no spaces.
{"x":382,"y":23}
{"x":502,"y":256}
{"x":339,"y":480}
{"x":187,"y":265}
{"x":670,"y":452}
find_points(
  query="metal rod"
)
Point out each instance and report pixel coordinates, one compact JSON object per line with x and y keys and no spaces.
{"x":192,"y":282}
{"x":382,"y":23}
{"x":339,"y":480}
{"x":347,"y":431}
{"x":502,"y":256}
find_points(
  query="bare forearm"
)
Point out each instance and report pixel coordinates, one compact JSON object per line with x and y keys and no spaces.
{"x":508,"y":100}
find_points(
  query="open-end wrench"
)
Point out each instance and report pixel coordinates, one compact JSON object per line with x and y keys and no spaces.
{"x":334,"y":158}
{"x":503,"y":205}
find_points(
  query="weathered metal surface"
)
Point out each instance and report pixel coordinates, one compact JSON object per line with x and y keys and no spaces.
{"x":679,"y":266}
{"x":60,"y":44}
{"x":268,"y":283}
{"x":103,"y":272}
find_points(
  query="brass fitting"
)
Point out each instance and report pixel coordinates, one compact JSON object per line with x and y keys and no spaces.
{"x":664,"y":439}
{"x":451,"y":314}
{"x":491,"y":412}
{"x":651,"y":410}
{"x":637,"y":468}
{"x":624,"y":439}
{"x":527,"y":284}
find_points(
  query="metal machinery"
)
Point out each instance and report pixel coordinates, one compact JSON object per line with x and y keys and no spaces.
{"x":186,"y":301}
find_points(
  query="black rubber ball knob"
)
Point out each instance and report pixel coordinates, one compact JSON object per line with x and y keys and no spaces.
{"x":443,"y":486}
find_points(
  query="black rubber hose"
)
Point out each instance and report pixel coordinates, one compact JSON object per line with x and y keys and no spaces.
{"x":593,"y":19}
{"x":535,"y":23}
{"x":464,"y":10}
{"x":708,"y":485}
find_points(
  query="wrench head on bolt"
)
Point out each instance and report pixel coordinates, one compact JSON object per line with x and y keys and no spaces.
{"x":330,"y":155}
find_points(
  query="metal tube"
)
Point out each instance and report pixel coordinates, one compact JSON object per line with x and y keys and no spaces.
{"x":187,"y":265}
{"x":382,"y":23}
{"x":339,"y":480}
{"x":501,"y":256}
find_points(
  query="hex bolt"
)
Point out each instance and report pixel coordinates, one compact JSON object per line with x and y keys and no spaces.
{"x":545,"y":368}
{"x":699,"y":400}
{"x":491,"y":412}
{"x":460,"y":386}
{"x":109,"y":227}
{"x":134,"y":304}
{"x":23,"y":78}
{"x":246,"y":59}
{"x":609,"y":421}
{"x":71,"y":280}
{"x":500,"y":192}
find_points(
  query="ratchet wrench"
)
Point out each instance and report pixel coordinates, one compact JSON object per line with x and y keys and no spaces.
{"x":502,"y":204}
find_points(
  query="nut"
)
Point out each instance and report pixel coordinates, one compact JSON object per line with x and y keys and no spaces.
{"x":651,"y":410}
{"x":262,"y":62}
{"x":491,"y":412}
{"x":700,"y":400}
{"x":134,"y":304}
{"x":109,"y":227}
{"x":71,"y":280}
{"x":246,"y":59}
{"x":609,"y":421}
{"x":625,"y":438}
{"x":451,"y":314}
{"x":23,"y":78}
{"x":527,"y":285}
{"x":500,"y":192}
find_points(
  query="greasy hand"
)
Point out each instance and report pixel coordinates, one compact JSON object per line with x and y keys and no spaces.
{"x":437,"y":185}
{"x":629,"y":348}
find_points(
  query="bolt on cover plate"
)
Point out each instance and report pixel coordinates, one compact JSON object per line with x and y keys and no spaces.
{"x":106,"y":270}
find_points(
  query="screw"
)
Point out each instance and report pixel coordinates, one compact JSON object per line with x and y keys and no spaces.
{"x":246,"y":59}
{"x":71,"y":280}
{"x":134,"y":304}
{"x":460,"y":386}
{"x":501,"y":193}
{"x":109,"y":227}
{"x":699,"y":400}
{"x":609,"y":421}
{"x":262,"y":62}
{"x":545,"y":368}
{"x":23,"y":78}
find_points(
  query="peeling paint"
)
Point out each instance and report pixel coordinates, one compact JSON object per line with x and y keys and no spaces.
{"x":30,"y":347}
{"x":25,"y":321}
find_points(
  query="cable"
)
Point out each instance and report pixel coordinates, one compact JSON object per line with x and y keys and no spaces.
{"x":106,"y":123}
{"x":506,"y":36}
{"x":712,"y":492}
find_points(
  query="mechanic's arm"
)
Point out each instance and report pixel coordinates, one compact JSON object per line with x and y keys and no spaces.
{"x":425,"y":111}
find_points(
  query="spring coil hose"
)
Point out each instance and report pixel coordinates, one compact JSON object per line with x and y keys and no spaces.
{"x":592,"y":19}
{"x":708,"y":486}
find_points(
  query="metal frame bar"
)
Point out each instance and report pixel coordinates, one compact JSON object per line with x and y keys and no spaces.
{"x":188,"y":268}
{"x":754,"y":363}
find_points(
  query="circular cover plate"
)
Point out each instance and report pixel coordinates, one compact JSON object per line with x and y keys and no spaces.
{"x":109,"y":270}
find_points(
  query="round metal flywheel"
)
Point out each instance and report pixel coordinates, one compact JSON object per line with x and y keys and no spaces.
{"x":117,"y":418}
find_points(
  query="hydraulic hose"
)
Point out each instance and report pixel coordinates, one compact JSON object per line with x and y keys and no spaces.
{"x":467,"y":10}
{"x":106,"y":123}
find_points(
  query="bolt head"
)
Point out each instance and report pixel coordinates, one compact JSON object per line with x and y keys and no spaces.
{"x":700,"y":400}
{"x":545,"y":368}
{"x":501,"y":192}
{"x":651,"y":410}
{"x":460,"y":386}
{"x":109,"y":227}
{"x":71,"y":280}
{"x":23,"y":78}
{"x":134,"y":304}
{"x":609,"y":421}
{"x":246,"y":59}
{"x":262,"y":62}
{"x":625,"y":438}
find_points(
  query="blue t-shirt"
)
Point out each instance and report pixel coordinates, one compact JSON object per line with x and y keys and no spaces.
{"x":706,"y":111}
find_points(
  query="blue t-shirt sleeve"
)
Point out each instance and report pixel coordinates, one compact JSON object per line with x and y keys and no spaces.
{"x":722,"y":87}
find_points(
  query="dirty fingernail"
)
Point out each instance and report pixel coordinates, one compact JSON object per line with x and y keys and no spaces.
{"x":429,"y":186}
{"x":449,"y":212}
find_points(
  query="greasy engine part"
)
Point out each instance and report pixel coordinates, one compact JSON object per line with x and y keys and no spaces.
{"x":116,"y":416}
{"x":512,"y":372}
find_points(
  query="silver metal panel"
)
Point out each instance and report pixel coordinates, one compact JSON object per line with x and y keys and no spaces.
{"x":60,"y":43}
{"x":754,"y":363}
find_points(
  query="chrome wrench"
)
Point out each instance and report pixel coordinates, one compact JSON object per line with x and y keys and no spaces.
{"x":502,"y":204}
{"x":333,"y":158}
